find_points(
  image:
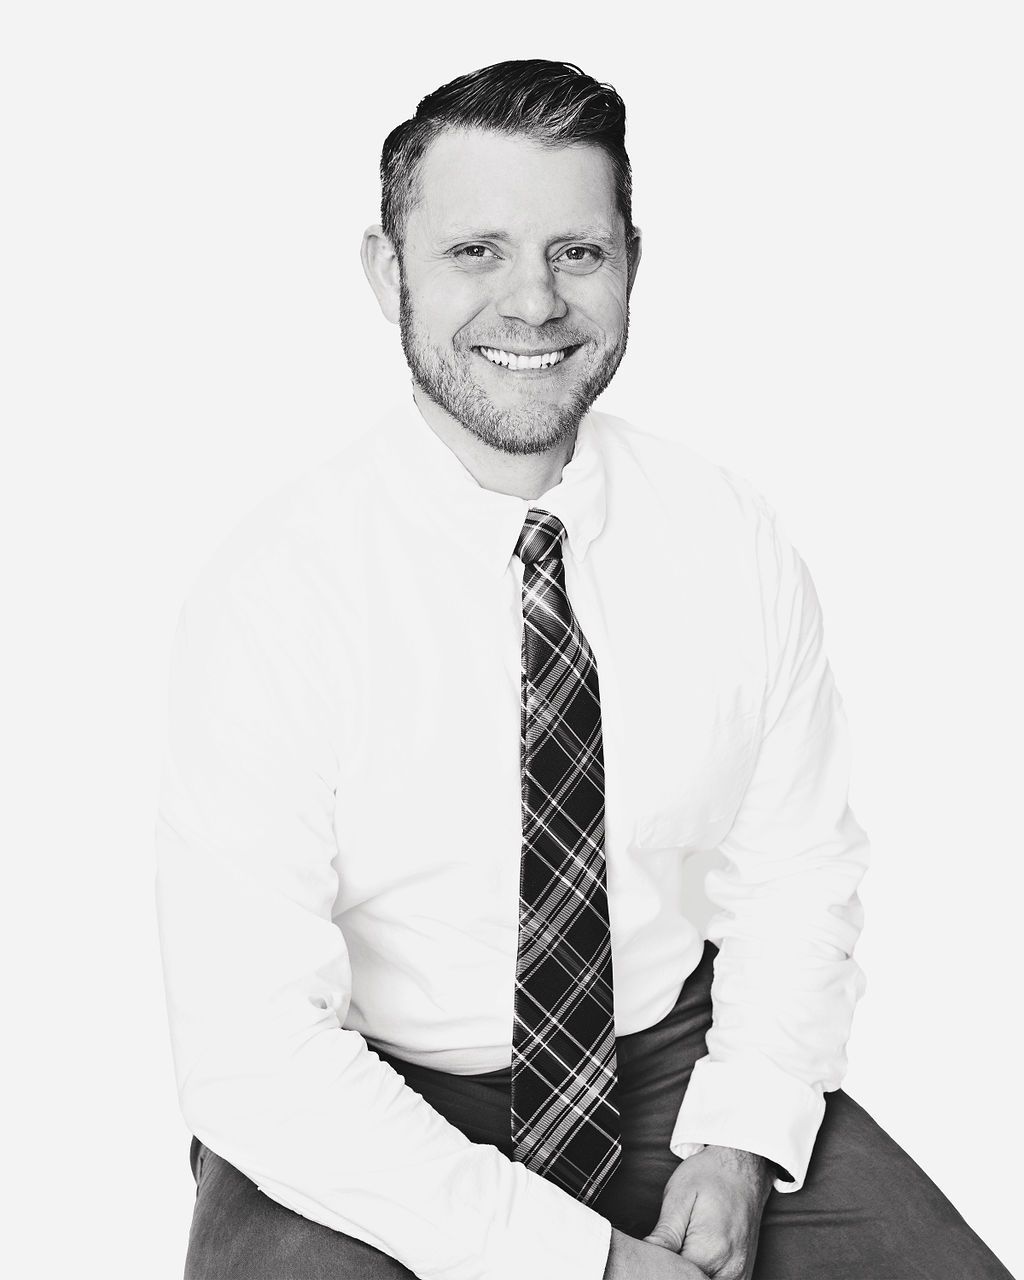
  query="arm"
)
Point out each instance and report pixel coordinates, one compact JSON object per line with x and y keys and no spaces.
{"x":785,"y":983}
{"x":258,"y":980}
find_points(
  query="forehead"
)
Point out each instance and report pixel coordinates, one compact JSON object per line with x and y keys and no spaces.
{"x":481,"y":178}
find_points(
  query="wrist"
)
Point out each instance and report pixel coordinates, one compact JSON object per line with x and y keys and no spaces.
{"x":750,"y":1163}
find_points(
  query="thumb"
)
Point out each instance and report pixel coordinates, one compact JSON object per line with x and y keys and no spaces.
{"x":670,"y":1231}
{"x":666,"y":1236}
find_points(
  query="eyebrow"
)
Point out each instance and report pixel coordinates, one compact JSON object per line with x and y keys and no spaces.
{"x":597,"y":234}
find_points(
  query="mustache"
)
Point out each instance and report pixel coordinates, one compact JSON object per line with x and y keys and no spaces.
{"x":543,"y":339}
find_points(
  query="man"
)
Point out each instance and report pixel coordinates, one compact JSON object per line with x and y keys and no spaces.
{"x":448,"y":716}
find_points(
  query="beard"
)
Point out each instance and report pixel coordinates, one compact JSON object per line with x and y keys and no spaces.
{"x":531,"y":426}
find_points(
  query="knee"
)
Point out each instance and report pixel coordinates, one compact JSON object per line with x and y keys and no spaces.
{"x":238,"y":1233}
{"x":228,"y":1225}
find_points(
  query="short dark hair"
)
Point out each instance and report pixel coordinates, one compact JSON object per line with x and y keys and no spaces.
{"x":554,"y":103}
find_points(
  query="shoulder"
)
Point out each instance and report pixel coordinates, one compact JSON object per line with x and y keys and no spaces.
{"x":675,"y":475}
{"x":295,"y":528}
{"x":693,"y":508}
{"x":280,"y":570}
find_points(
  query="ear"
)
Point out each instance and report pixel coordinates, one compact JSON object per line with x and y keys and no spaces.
{"x":634,"y":259}
{"x":381,"y":264}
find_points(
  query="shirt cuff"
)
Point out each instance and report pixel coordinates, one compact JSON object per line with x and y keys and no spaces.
{"x":752,"y":1105}
{"x":552,"y":1234}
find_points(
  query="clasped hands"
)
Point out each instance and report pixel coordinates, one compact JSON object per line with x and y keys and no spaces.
{"x":710,"y":1218}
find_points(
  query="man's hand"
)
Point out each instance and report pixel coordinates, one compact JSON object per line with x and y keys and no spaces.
{"x":711,"y":1211}
{"x":630,"y":1259}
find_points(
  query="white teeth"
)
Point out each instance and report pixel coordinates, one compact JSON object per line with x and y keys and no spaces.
{"x":512,"y":361}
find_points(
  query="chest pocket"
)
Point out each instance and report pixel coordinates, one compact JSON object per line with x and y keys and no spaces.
{"x":682,"y":732}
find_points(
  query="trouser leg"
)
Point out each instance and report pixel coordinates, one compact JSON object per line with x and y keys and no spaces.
{"x":238,"y":1233}
{"x":867,"y":1212}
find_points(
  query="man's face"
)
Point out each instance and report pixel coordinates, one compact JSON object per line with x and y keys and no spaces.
{"x":514,"y":258}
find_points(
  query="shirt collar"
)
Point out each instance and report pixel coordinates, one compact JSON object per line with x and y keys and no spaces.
{"x":436,"y":489}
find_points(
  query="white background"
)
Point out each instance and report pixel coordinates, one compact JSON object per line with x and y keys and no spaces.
{"x":830,"y":303}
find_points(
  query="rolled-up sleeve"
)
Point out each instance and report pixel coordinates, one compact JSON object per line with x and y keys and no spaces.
{"x":258,"y":979}
{"x":788,"y":913}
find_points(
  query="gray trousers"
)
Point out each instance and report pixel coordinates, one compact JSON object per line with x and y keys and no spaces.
{"x":865,"y":1212}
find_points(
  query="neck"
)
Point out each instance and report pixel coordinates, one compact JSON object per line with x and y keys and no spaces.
{"x":522,"y":475}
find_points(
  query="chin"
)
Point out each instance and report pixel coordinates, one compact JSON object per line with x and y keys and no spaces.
{"x":519,"y":430}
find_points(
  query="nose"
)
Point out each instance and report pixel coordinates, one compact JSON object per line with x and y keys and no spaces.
{"x":531,"y":293}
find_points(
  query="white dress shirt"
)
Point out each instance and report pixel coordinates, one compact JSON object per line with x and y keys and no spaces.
{"x":339,"y":832}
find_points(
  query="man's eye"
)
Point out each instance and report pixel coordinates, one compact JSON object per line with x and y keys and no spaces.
{"x":580,"y":258}
{"x":474,"y":252}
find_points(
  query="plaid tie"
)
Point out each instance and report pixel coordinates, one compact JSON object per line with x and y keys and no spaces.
{"x":564,"y":1124}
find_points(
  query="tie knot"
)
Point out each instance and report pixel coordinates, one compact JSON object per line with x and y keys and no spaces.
{"x":541,"y":538}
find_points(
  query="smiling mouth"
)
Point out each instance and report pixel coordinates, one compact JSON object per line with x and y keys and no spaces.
{"x":519,"y":362}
